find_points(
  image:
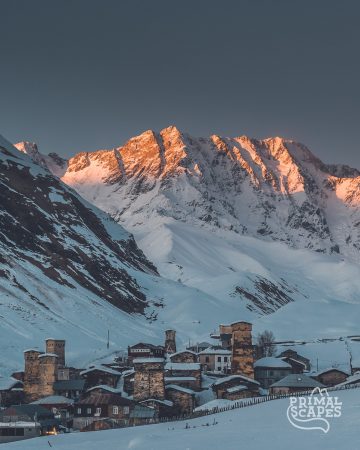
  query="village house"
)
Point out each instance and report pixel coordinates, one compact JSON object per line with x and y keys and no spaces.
{"x":96,"y":375}
{"x":185,"y":356}
{"x":235,"y":387}
{"x":143,"y":350}
{"x":149,"y":380}
{"x":60,"y":406}
{"x":269,"y":370}
{"x":127,"y":381}
{"x":96,"y":406}
{"x":294,"y":383}
{"x":31,"y":413}
{"x":69,"y":388}
{"x":11,"y":391}
{"x":163,"y":408}
{"x":216,"y":360}
{"x":186,"y":374}
{"x":298,"y":363}
{"x":330,"y":377}
{"x":183,"y":399}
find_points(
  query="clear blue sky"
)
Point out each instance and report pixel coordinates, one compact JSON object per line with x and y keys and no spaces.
{"x":84,"y":74}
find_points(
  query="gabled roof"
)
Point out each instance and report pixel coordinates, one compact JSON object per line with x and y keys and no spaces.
{"x":329,"y":369}
{"x":8,"y":383}
{"x":235,"y":377}
{"x":234,"y":389}
{"x":168,"y":403}
{"x":353,"y":379}
{"x":272,"y":363}
{"x":180,"y":388}
{"x":146,"y":345}
{"x":105,"y":387}
{"x":100,"y":369}
{"x":297,"y":380}
{"x":53,"y":400}
{"x":183,"y":351}
{"x":108,"y":398}
{"x":28,"y":410}
{"x":148,"y":360}
{"x":182,"y":366}
{"x":215,"y":351}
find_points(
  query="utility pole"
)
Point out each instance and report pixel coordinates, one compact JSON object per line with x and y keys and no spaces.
{"x":108,"y":340}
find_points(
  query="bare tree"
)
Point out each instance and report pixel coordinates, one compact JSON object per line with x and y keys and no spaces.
{"x":265,"y":344}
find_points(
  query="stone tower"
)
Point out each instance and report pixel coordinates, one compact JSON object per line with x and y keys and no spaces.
{"x":31,"y":374}
{"x":149,"y":379}
{"x":170,"y":342}
{"x":242,"y":359}
{"x":57,"y":347}
{"x":48,"y":366}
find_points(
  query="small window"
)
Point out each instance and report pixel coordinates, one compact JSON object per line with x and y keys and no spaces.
{"x":219,"y":368}
{"x":219,"y":358}
{"x":225,"y":358}
{"x":98,"y":411}
{"x":79,"y":410}
{"x":115,"y":410}
{"x":207,"y":359}
{"x":88,"y":410}
{"x":126,"y":410}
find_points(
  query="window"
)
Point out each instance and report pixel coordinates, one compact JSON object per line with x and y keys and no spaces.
{"x":98,"y":411}
{"x":79,"y":411}
{"x":115,"y":410}
{"x":219,"y":368}
{"x":219,"y":358}
{"x":126,"y":410}
{"x":88,"y":411}
{"x":207,"y":359}
{"x":225,"y":358}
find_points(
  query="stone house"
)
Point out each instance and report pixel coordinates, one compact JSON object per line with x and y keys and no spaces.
{"x":199,"y":347}
{"x":11,"y":391}
{"x":96,"y":406}
{"x":96,"y":375}
{"x":298,"y":362}
{"x":186,"y":374}
{"x":69,"y":388}
{"x":331,"y":376}
{"x":183,"y":399}
{"x":185,"y":356}
{"x":235,"y":387}
{"x":144,"y":350}
{"x":269,"y":370}
{"x":216,"y":360}
{"x":294,"y":383}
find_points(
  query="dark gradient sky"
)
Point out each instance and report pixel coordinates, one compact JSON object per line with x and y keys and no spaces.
{"x":83,"y":74}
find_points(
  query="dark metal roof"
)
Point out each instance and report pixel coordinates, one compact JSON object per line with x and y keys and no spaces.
{"x":97,"y":398}
{"x":297,"y":380}
{"x":69,"y":385}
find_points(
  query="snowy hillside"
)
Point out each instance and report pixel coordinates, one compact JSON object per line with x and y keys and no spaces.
{"x":69,"y":271}
{"x":253,"y":428}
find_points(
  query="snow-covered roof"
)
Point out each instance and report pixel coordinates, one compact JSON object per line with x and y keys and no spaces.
{"x":353,"y":379}
{"x":32,"y":350}
{"x":44,"y":355}
{"x":183,"y":351}
{"x":182,"y":366}
{"x":101,"y":369}
{"x":105,"y":387}
{"x":234,"y":377}
{"x":180,"y":388}
{"x":297,"y":380}
{"x":156,"y":400}
{"x":7,"y":383}
{"x":127,"y":372}
{"x":19,"y":424}
{"x":239,"y":388}
{"x":180,"y":379}
{"x":273,"y":363}
{"x":215,"y":351}
{"x":148,"y":360}
{"x":53,"y":400}
{"x":329,"y":369}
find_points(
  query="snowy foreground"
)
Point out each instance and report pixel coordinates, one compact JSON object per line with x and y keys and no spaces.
{"x":259,"y":427}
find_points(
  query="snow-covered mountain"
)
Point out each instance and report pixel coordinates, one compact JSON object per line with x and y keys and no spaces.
{"x":243,"y":227}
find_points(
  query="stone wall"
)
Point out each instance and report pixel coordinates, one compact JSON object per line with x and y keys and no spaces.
{"x":242,"y":361}
{"x":149,"y":381}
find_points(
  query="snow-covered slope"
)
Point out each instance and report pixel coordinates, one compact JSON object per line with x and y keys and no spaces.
{"x":68,"y":270}
{"x":259,"y":427}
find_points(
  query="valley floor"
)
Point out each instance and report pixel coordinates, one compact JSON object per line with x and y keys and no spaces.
{"x":263,"y":426}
